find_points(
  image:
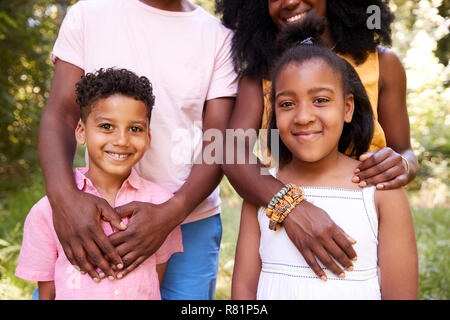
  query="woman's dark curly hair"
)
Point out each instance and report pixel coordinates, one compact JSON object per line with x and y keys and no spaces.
{"x":255,"y":33}
{"x":356,"y":135}
{"x":107,"y":82}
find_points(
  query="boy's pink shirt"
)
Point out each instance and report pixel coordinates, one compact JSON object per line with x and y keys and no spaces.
{"x":186,"y":56}
{"x":42,"y":257}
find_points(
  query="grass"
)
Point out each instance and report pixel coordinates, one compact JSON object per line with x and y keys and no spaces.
{"x":432,"y":234}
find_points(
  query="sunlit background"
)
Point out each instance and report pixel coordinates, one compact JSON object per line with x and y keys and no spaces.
{"x":28,"y":29}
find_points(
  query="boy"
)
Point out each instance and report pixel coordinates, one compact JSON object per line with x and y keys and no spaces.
{"x":115,"y":107}
{"x":186,"y":53}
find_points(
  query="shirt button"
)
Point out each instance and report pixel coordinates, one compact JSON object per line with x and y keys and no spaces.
{"x":117,"y":292}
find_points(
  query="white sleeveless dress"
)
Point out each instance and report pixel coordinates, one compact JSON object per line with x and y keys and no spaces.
{"x":285,"y":275}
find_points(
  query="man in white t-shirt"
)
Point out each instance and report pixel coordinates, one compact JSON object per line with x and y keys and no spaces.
{"x":185,"y":52}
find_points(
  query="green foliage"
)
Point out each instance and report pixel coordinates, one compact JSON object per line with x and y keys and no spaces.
{"x":417,"y":30}
{"x":27,"y":32}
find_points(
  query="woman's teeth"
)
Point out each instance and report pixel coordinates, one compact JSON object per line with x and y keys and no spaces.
{"x":296,"y":18}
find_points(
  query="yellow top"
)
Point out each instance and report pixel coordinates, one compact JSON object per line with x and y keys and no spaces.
{"x":368,"y":72}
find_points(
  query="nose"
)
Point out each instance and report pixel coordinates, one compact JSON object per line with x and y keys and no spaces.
{"x":121,"y":138}
{"x":290,"y":4}
{"x":304,"y":115}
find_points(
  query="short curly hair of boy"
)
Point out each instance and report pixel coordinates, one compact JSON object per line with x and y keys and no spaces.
{"x":107,"y":82}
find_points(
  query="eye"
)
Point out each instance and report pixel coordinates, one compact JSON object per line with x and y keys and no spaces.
{"x":136,"y":129}
{"x":106,"y":126}
{"x":321,"y":100}
{"x":286,"y":104}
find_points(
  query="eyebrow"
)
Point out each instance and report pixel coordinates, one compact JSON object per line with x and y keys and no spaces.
{"x":102,"y":118}
{"x":312,"y":90}
{"x":317,"y":89}
{"x":286,"y":93}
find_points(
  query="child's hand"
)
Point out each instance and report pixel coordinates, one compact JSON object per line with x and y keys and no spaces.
{"x":148,"y":227}
{"x":76,"y":219}
{"x":386,"y":169}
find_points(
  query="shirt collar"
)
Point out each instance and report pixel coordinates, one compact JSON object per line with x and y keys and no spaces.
{"x":134,"y":180}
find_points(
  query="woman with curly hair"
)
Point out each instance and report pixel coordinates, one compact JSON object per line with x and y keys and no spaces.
{"x":389,"y":162}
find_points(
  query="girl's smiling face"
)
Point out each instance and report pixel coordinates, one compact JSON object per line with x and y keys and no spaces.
{"x":116,"y":133}
{"x":311,"y":109}
{"x":284,"y":12}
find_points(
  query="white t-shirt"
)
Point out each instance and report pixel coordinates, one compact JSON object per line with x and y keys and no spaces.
{"x":185,"y":55}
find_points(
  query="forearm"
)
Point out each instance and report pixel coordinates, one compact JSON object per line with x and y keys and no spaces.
{"x":46,"y":290}
{"x":200,"y":184}
{"x":56,"y":149}
{"x":250,"y":184}
{"x":57,"y":143}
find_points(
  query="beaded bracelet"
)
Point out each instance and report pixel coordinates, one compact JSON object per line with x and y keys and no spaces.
{"x":282,"y":204}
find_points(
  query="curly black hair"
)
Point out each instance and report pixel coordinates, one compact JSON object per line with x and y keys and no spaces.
{"x":356,"y":135}
{"x":255,"y":33}
{"x":107,"y":82}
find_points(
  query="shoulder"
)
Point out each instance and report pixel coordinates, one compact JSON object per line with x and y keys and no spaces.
{"x":392,"y":202}
{"x":40,"y":212}
{"x":389,"y":61}
{"x":212,"y":24}
{"x":156,"y":192}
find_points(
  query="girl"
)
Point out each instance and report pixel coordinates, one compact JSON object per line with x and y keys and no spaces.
{"x":391,"y":162}
{"x":115,"y":108}
{"x":321,"y":111}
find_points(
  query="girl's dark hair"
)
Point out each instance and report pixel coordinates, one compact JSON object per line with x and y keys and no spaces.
{"x":255,"y":33}
{"x":356,"y":135}
{"x":107,"y":82}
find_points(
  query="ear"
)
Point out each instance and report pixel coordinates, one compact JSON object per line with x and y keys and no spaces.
{"x":349,"y":107}
{"x":80,"y":133}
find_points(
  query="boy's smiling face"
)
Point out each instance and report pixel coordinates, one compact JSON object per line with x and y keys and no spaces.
{"x":116,"y":133}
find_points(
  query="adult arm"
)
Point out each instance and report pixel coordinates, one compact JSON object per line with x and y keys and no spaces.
{"x":76,"y":215}
{"x":397,"y":251}
{"x":247,"y":265}
{"x":386,"y":168}
{"x":150,"y":224}
{"x":309,"y":228}
{"x":46,"y":290}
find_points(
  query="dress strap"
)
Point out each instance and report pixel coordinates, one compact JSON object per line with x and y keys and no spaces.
{"x":371,"y":211}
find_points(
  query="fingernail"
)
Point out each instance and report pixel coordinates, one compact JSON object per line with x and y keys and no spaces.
{"x":342,"y":275}
{"x":324,"y":278}
{"x":363,"y":184}
{"x":119,"y":266}
{"x":96,"y":279}
{"x":111,"y":278}
{"x":350,"y":268}
{"x":355,"y":258}
{"x":101,"y":275}
{"x":357,"y":170}
{"x":77,"y":268}
{"x":83,"y":272}
{"x":380,"y":186}
{"x":119,"y":275}
{"x":355,"y":179}
{"x":123,"y":225}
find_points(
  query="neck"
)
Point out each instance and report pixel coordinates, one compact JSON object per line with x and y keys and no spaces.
{"x":107,"y":185}
{"x":316,"y":173}
{"x":327,"y":39}
{"x":170,"y":5}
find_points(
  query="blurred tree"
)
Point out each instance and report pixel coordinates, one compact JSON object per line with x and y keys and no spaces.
{"x":27,"y":32}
